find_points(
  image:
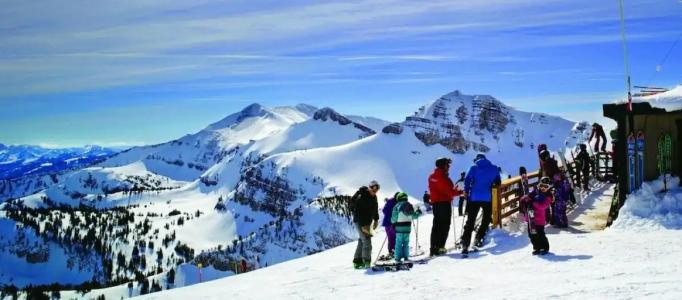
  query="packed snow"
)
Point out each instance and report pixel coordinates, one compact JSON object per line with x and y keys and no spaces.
{"x":652,"y":208}
{"x":619,"y":263}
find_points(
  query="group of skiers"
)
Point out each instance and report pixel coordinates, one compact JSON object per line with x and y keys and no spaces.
{"x":547,"y":203}
{"x":399,"y":213}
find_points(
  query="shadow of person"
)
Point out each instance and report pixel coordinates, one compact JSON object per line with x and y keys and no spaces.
{"x":562,"y":258}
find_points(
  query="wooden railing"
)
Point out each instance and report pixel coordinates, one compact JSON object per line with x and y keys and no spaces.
{"x":506,"y":197}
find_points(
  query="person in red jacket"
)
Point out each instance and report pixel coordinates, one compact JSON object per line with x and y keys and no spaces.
{"x":442,"y":191}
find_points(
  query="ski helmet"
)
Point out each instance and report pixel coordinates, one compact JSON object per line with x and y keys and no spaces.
{"x":401,"y":197}
{"x":442,"y":162}
{"x":583,"y":147}
{"x":544,"y":155}
{"x":545,"y":182}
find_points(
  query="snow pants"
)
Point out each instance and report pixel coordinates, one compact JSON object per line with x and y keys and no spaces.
{"x":539,"y":239}
{"x":600,"y":138}
{"x":472,"y":213}
{"x":390,"y":235}
{"x":363,"y":252}
{"x":402,"y":246}
{"x":442,"y":214}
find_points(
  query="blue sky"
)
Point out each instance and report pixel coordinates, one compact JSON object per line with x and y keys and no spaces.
{"x":141,"y":72}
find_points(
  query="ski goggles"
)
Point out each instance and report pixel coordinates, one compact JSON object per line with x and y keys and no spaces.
{"x":544,"y":186}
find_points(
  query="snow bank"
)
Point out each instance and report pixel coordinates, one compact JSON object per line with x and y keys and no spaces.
{"x":670,"y":100}
{"x":650,"y":208}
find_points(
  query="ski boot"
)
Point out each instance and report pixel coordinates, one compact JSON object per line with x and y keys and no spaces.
{"x":478,"y":243}
{"x":465,"y":252}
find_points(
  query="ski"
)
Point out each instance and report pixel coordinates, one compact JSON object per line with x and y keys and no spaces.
{"x":631,"y":162}
{"x":567,"y":173}
{"x":392,"y":267}
{"x":664,"y":157}
{"x":640,"y":157}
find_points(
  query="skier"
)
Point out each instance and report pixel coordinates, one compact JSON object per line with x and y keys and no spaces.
{"x":442,"y":190}
{"x":583,"y":159}
{"x":550,"y":169}
{"x":388,"y":226}
{"x":403,"y":214}
{"x":537,"y":201}
{"x":365,"y":214}
{"x":426,"y":198}
{"x":598,"y":133}
{"x":478,"y":191}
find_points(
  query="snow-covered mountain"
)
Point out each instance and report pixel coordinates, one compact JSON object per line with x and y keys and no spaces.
{"x":21,"y":160}
{"x":264,"y":184}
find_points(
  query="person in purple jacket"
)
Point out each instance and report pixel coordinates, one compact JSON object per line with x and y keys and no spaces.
{"x":386,"y":222}
{"x":533,"y":207}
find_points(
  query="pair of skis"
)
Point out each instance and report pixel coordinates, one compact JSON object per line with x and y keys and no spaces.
{"x":635,"y":160}
{"x":664,"y":157}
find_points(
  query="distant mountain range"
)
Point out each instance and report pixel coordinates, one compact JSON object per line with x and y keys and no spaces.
{"x":22,"y":160}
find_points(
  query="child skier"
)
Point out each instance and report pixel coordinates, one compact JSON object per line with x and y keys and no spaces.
{"x":388,"y":226}
{"x":403,"y":214}
{"x":533,"y":207}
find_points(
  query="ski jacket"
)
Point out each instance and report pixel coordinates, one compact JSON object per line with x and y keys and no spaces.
{"x":403,"y":214}
{"x":480,"y":179}
{"x":441,"y":188}
{"x":388,"y":212}
{"x":598,"y":132}
{"x":584,"y":160}
{"x":364,"y":207}
{"x":539,"y":202}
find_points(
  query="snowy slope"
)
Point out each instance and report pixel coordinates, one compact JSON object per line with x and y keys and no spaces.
{"x":188,"y":157}
{"x":620,"y":263}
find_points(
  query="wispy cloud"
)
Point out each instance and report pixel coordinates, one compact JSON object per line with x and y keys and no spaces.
{"x":113,"y":44}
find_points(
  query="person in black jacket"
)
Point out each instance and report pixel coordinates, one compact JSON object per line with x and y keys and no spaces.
{"x":598,"y":133}
{"x":366,"y":218}
{"x":584,"y":161}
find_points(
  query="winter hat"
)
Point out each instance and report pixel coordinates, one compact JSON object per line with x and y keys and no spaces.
{"x":479,"y":156}
{"x":401,"y":197}
{"x":373,"y":183}
{"x":442,"y":162}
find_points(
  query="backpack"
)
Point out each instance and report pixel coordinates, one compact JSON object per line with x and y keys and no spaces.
{"x":407,"y":208}
{"x":356,"y":198}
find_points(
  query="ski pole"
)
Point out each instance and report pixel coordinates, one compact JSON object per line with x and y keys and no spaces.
{"x":381,"y":248}
{"x":416,"y":233}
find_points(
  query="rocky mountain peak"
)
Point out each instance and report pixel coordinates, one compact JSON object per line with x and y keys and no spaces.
{"x":328,"y":114}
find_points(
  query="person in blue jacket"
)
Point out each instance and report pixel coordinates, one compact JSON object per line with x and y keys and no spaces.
{"x":478,"y":184}
{"x":388,"y":226}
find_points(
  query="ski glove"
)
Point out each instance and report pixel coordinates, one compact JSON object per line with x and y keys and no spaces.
{"x":366,"y":231}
